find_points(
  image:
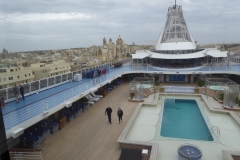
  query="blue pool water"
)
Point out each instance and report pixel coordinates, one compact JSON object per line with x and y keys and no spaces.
{"x":183,"y":119}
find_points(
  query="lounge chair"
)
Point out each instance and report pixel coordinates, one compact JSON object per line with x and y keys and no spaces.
{"x":96,"y":96}
{"x":91,"y":99}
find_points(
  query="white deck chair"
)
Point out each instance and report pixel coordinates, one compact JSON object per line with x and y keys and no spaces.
{"x":90,"y":102}
{"x":96,"y":96}
{"x":91,"y":99}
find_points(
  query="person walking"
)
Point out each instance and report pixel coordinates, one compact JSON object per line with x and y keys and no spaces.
{"x":119,"y":114}
{"x":109,"y":112}
{"x":22,"y":92}
{"x":16,"y":92}
{"x":2,"y":103}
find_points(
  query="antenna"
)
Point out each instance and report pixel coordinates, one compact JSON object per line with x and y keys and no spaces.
{"x":175,"y":6}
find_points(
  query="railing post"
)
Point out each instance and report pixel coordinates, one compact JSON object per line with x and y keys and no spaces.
{"x":28,"y":112}
{"x":6,"y":93}
{"x":11,"y":120}
{"x":30,"y":87}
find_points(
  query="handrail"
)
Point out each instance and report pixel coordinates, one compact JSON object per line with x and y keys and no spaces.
{"x":51,"y":95}
{"x":12,"y":121}
{"x":212,"y":130}
{"x":5,"y":90}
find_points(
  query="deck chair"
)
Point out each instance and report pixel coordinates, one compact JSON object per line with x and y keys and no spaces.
{"x":91,"y":99}
{"x":96,"y":96}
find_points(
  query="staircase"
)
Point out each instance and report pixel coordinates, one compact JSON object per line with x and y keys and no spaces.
{"x":25,"y":154}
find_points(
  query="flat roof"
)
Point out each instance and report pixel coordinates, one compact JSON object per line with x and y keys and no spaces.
{"x":140,"y":54}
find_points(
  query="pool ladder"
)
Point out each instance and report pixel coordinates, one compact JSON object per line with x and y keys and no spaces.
{"x":213,"y":129}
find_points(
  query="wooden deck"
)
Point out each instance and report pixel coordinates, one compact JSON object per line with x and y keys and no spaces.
{"x":90,"y":136}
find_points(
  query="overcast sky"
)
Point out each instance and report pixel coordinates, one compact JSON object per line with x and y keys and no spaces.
{"x":27,"y":25}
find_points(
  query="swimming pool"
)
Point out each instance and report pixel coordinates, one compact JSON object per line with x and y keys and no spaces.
{"x":146,"y":86}
{"x":218,"y":88}
{"x":183,"y":119}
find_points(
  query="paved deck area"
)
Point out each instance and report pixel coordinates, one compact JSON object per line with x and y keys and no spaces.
{"x":90,"y":136}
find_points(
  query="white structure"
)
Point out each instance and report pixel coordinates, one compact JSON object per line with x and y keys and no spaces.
{"x":176,"y":48}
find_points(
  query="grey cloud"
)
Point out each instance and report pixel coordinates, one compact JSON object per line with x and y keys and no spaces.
{"x":209,"y":22}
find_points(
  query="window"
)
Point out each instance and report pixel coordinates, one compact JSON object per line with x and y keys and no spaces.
{"x":4,"y":79}
{"x":29,"y":74}
{"x":10,"y":78}
{"x":15,"y":69}
{"x":18,"y":76}
{"x":11,"y":70}
{"x":25,"y":75}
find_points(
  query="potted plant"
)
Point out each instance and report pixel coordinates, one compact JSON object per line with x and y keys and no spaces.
{"x":237,"y":100}
{"x":132,"y":95}
{"x":220,"y":96}
{"x":200,"y":83}
{"x":157,"y":83}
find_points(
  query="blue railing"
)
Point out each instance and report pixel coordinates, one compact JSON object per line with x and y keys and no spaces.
{"x":26,"y":112}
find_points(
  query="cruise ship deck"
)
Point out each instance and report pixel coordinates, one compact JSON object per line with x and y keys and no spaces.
{"x":15,"y":114}
{"x":91,"y":127}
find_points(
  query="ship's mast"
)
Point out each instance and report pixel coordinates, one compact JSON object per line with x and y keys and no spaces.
{"x":175,"y":6}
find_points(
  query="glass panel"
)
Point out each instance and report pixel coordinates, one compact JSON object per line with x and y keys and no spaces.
{"x":34,"y":86}
{"x":51,"y":81}
{"x":3,"y":93}
{"x":74,"y":73}
{"x":70,"y":76}
{"x":229,"y":98}
{"x":139,"y":94}
{"x":64,"y":77}
{"x":26,"y":88}
{"x":43,"y":83}
{"x":10,"y":93}
{"x":58,"y":79}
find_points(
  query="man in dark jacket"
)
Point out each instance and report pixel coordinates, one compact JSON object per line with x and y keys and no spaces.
{"x":16,"y":92}
{"x":120,"y":114}
{"x":109,"y":111}
{"x":22,"y":92}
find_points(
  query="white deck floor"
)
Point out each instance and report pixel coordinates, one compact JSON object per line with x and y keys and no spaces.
{"x":147,"y":124}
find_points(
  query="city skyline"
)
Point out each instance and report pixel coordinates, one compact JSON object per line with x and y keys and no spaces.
{"x":50,"y":25}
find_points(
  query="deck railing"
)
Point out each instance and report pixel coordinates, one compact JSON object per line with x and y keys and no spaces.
{"x":28,"y":111}
{"x":47,"y":83}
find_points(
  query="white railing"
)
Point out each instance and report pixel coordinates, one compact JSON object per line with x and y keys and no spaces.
{"x":47,"y":83}
{"x":26,"y":112}
{"x":178,"y":89}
